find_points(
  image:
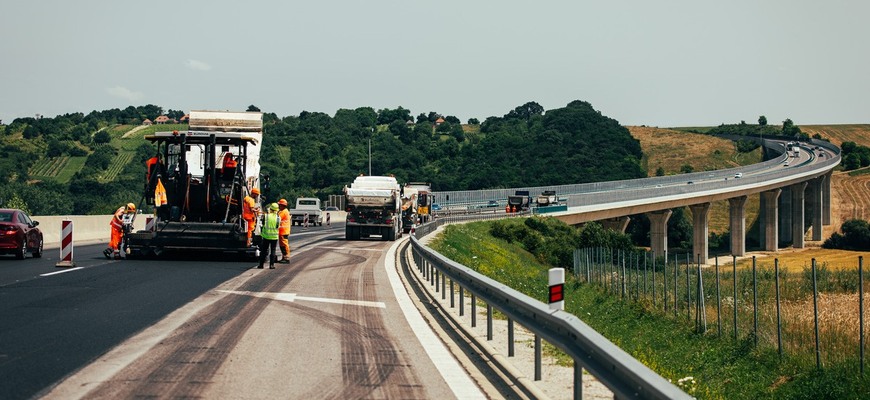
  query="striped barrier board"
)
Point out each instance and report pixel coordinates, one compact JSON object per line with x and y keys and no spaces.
{"x":66,"y":244}
{"x":150,"y":224}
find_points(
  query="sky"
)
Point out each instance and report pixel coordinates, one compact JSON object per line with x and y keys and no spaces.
{"x":663,"y":63}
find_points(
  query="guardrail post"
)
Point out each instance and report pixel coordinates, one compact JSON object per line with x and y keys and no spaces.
{"x":443,"y":287}
{"x":578,"y":381}
{"x":461,"y":301}
{"x":473,"y":310}
{"x":452,"y":295}
{"x":537,"y":357}
{"x":488,"y":322}
{"x":510,"y":328}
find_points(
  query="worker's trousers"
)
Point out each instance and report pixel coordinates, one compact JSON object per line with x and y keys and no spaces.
{"x":284,"y":242}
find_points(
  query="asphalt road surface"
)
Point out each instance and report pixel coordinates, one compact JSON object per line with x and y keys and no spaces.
{"x":328,"y":325}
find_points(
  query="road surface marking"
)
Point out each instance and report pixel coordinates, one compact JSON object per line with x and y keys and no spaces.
{"x":60,"y":272}
{"x":291,"y":297}
{"x":350,"y":248}
{"x":455,"y":376}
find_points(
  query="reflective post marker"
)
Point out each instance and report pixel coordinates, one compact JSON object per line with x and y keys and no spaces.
{"x":556,"y":279}
{"x":66,"y":244}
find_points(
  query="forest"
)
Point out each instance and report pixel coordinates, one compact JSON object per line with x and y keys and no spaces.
{"x":315,"y":154}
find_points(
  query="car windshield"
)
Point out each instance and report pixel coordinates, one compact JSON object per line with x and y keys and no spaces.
{"x":5,"y":216}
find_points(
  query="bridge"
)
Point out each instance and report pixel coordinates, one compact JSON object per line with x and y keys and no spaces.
{"x":792,"y":190}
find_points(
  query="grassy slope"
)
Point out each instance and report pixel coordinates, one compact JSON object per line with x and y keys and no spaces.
{"x":721,"y":368}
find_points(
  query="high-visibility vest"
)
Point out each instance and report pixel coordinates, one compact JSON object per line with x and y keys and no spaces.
{"x":160,"y":197}
{"x":248,"y":208}
{"x":270,"y":227}
{"x":284,"y":228}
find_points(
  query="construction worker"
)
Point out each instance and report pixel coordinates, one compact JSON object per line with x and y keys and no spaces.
{"x":284,"y":231}
{"x":269,"y":234}
{"x":250,"y":210}
{"x":117,"y":233}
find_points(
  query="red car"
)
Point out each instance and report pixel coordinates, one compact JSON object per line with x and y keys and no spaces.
{"x":19,"y":234}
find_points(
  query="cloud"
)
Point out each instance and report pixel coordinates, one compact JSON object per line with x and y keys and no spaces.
{"x":124,"y":93}
{"x":197,"y":65}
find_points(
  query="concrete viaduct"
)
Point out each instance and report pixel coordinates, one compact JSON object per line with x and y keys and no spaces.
{"x":794,"y":189}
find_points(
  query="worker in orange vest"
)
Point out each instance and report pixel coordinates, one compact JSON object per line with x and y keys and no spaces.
{"x":507,"y":208}
{"x":250,"y":210}
{"x":117,"y":233}
{"x":284,"y":231}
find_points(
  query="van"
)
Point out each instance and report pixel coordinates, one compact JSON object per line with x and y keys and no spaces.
{"x":738,"y":175}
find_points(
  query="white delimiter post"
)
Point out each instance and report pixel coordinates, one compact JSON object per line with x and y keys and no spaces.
{"x":556,"y":281}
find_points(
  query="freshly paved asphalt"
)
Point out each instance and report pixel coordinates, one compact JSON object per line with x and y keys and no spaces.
{"x":80,"y":333}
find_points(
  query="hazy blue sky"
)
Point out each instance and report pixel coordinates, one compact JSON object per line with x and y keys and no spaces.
{"x":658,"y":63}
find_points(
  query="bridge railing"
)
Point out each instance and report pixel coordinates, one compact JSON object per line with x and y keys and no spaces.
{"x":620,"y":372}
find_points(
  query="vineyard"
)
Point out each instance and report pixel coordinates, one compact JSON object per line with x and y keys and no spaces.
{"x":118,"y":163}
{"x":49,"y":167}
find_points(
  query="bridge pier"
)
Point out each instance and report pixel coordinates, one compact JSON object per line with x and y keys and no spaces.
{"x":784,"y":218}
{"x":817,"y":206}
{"x":797,"y":214}
{"x":700,"y":231}
{"x":767,"y":217}
{"x":826,"y":199}
{"x":737,"y":213}
{"x":658,"y":235}
{"x":618,"y":224}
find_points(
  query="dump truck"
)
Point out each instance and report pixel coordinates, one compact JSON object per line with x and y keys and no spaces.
{"x":547,"y":198}
{"x":204,"y":173}
{"x":423,"y":192}
{"x":519,"y":202}
{"x":374,"y":206}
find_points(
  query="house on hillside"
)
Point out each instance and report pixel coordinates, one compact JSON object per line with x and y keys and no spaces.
{"x":439,"y":121}
{"x":184,"y":118}
{"x":147,"y":122}
{"x":161,"y":119}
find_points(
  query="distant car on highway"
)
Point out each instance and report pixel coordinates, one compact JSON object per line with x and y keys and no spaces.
{"x":436,"y":207}
{"x":492,"y":203}
{"x":331,"y":208}
{"x":738,"y":175}
{"x":19,"y":234}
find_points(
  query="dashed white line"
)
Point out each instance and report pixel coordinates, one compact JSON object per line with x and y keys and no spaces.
{"x":61,"y":272}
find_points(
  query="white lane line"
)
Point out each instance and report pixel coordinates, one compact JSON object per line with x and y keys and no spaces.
{"x":350,"y":248}
{"x":60,"y":272}
{"x":291,"y":297}
{"x":455,"y":376}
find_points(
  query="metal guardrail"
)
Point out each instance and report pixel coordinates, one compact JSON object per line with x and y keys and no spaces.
{"x":620,"y":372}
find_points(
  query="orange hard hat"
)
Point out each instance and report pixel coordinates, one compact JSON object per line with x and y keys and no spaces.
{"x":282,"y":202}
{"x":255,"y":191}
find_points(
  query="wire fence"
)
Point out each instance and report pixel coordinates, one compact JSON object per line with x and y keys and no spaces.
{"x":815,"y":315}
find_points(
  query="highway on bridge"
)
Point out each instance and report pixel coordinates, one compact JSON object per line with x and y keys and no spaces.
{"x":328,"y":325}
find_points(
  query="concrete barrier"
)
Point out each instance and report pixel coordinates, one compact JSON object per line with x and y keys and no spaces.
{"x":92,"y":229}
{"x":87,"y":229}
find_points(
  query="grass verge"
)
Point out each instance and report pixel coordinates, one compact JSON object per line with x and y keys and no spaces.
{"x":707,"y":366}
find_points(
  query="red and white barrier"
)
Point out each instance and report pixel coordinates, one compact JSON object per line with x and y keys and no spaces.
{"x":150,"y":224}
{"x":66,"y":244}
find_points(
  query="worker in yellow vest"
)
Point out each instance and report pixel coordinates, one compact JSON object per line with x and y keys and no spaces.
{"x":269,"y":234}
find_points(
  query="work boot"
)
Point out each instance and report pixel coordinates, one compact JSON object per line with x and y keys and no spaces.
{"x":260,"y":266}
{"x":108,"y":253}
{"x":271,"y":266}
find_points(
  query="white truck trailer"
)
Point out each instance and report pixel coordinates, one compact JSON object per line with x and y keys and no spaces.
{"x":374,"y":207}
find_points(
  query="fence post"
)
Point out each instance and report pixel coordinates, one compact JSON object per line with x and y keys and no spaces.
{"x":701,"y":313}
{"x":861,"y":310}
{"x":734,"y":277}
{"x":718,"y":298}
{"x":754,"y":304}
{"x":778,"y":315}
{"x":816,"y":315}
